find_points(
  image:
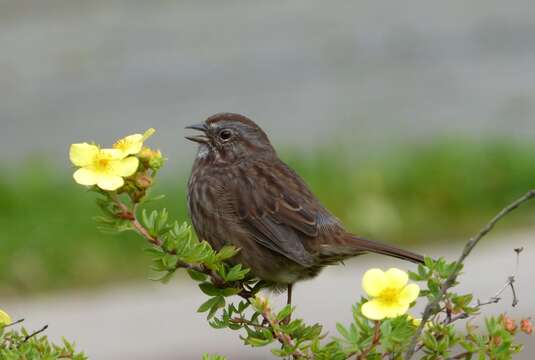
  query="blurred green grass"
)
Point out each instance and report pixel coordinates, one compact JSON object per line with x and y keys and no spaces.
{"x":430,"y":193}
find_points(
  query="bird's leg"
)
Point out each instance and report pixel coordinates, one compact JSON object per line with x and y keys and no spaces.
{"x":289,"y":302}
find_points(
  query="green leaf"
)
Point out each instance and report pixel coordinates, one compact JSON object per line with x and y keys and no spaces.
{"x":343,"y":331}
{"x":170,"y":261}
{"x":207,"y":305}
{"x":197,"y":276}
{"x":256,"y":342}
{"x":226,"y":252}
{"x":154,"y":251}
{"x":285,"y":312}
{"x":209,"y":289}
{"x":236,"y":273}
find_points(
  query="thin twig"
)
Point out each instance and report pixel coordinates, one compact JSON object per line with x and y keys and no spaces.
{"x":461,"y":316}
{"x":375,"y":340}
{"x":14,"y":323}
{"x":494,"y":299}
{"x":509,"y":283}
{"x":28,"y":337}
{"x":470,"y":245}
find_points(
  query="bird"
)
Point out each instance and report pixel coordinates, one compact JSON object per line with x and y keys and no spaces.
{"x":241,"y":193}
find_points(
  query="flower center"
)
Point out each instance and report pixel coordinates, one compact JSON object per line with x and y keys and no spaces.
{"x":389,"y":295}
{"x":102,"y":163}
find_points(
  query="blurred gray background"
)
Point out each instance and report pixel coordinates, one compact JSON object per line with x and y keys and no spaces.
{"x":310,"y":72}
{"x":303,"y":69}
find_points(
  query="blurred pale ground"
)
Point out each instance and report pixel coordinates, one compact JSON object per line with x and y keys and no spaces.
{"x":363,"y":71}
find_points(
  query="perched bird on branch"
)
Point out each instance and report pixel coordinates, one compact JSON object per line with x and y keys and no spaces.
{"x":240,"y":193}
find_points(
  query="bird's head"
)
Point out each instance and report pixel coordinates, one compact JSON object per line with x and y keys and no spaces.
{"x":228,"y":137}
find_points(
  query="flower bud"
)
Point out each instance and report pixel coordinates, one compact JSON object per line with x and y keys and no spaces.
{"x":262,"y":302}
{"x":153,"y":158}
{"x":143,"y":181}
{"x":509,"y":324}
{"x":526,"y":326}
{"x":146,"y":153}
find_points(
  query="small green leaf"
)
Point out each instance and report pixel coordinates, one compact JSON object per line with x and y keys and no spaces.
{"x":209,"y":289}
{"x":258,"y":342}
{"x":284,"y":313}
{"x":197,"y":276}
{"x":207,"y":305}
{"x":226,"y":252}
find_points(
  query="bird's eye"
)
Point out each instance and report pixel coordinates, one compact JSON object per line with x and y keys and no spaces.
{"x":225,"y":135}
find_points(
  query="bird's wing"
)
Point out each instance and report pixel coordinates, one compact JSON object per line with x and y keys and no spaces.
{"x":280,"y":212}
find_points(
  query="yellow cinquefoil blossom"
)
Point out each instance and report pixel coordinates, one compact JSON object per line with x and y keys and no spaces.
{"x":5,"y":319}
{"x":105,"y":168}
{"x":390,"y":293}
{"x":132,"y":144}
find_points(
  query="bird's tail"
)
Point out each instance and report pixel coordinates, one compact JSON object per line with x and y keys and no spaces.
{"x":354,"y":245}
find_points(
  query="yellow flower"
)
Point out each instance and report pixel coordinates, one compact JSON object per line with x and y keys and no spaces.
{"x":132,"y":144}
{"x":5,"y":319}
{"x":391,"y":296}
{"x":102,"y":167}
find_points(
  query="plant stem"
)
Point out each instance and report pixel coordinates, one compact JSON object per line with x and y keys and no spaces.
{"x":375,"y":341}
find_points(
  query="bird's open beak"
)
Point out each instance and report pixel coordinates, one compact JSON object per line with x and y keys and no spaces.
{"x":201,"y":139}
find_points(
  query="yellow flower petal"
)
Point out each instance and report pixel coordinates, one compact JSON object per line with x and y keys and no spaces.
{"x":125,"y":167}
{"x":131,"y":144}
{"x":112,"y":154}
{"x":409,"y":293}
{"x":110,"y":182}
{"x":373,"y":310}
{"x":395,"y":310}
{"x":396,"y":278}
{"x":374,"y":281}
{"x":85,"y":176}
{"x":5,"y":319}
{"x":83,"y":154}
{"x":147,"y":134}
{"x":135,"y":138}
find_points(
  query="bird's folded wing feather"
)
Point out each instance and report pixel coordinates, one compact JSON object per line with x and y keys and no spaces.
{"x":278,"y":215}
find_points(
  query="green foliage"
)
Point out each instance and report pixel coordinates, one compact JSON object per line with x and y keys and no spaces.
{"x":17,"y":344}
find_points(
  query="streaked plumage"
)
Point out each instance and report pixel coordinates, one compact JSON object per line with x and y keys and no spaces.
{"x":241,"y":193}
